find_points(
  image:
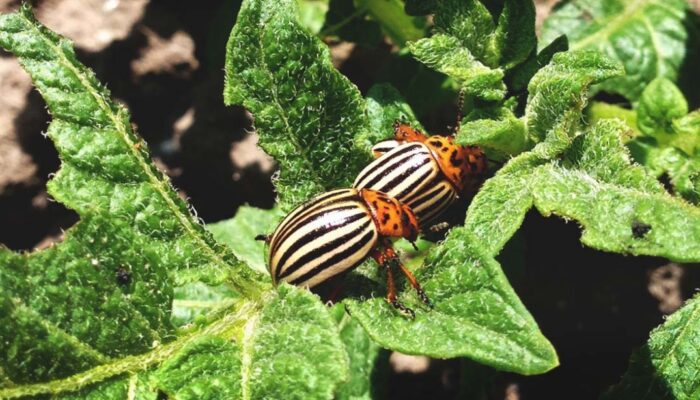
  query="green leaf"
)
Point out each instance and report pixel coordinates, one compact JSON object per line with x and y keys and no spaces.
{"x":351,"y":24}
{"x":384,"y":106}
{"x":311,"y":364}
{"x":105,"y":291}
{"x":471,"y":23}
{"x":498,"y":209}
{"x":312,"y":14}
{"x":208,"y":368}
{"x":684,"y":171}
{"x":424,"y":89}
{"x":514,"y":37}
{"x":599,"y":110}
{"x":239,"y":231}
{"x":504,"y":136}
{"x":663,"y":137}
{"x":195,"y":300}
{"x":476,"y":315}
{"x":660,"y":103}
{"x":367,"y":365}
{"x":447,"y":55}
{"x":621,"y":207}
{"x":395,"y":23}
{"x":518,"y":77}
{"x":666,"y":367}
{"x":305,"y":111}
{"x":647,"y":36}
{"x":562,"y":86}
{"x":90,"y":317}
{"x":235,"y":354}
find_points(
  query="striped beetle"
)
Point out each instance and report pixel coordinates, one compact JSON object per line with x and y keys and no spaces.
{"x":335,"y":232}
{"x":426,"y":173}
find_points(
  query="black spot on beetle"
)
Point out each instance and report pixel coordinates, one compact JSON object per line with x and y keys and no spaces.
{"x":396,"y":226}
{"x":456,"y":162}
{"x":444,"y":149}
{"x":123,"y":276}
{"x":385,"y":218}
{"x":436,"y":143}
{"x":640,"y":229}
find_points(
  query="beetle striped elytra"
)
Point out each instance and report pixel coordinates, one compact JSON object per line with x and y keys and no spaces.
{"x":335,"y":232}
{"x":426,"y":173}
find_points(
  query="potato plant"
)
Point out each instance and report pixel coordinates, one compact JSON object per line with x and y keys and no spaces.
{"x":109,"y":311}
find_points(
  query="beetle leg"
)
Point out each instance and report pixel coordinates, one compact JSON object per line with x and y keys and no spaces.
{"x":391,"y":295}
{"x":393,"y":258}
{"x":414,"y":282}
{"x":383,"y":259}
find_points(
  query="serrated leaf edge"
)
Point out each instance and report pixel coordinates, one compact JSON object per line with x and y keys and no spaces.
{"x":159,"y":184}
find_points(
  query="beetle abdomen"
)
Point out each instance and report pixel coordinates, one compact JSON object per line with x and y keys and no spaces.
{"x":332,"y":233}
{"x":410,"y":173}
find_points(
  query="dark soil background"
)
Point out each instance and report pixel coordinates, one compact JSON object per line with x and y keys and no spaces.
{"x":164,"y":59}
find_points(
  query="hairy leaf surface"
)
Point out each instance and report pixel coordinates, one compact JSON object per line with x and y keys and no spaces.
{"x":621,"y":206}
{"x":91,"y":316}
{"x":476,"y":313}
{"x":503,"y":135}
{"x":446,"y":54}
{"x":666,"y":367}
{"x":514,"y":38}
{"x":306,"y":113}
{"x":105,"y":291}
{"x":384,"y":106}
{"x":562,"y":86}
{"x":663,"y":136}
{"x":367,"y":366}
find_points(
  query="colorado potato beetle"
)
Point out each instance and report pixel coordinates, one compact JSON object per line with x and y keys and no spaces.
{"x":335,"y":232}
{"x":426,"y":173}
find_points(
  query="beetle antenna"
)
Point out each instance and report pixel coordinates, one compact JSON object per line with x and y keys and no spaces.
{"x":460,"y":105}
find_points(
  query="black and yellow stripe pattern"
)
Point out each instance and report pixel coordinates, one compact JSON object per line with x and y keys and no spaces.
{"x":326,"y":236}
{"x":410,"y":174}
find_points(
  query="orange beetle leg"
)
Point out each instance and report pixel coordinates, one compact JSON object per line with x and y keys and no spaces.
{"x":381,"y":257}
{"x":391,"y":255}
{"x":405,"y":133}
{"x":387,"y":258}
